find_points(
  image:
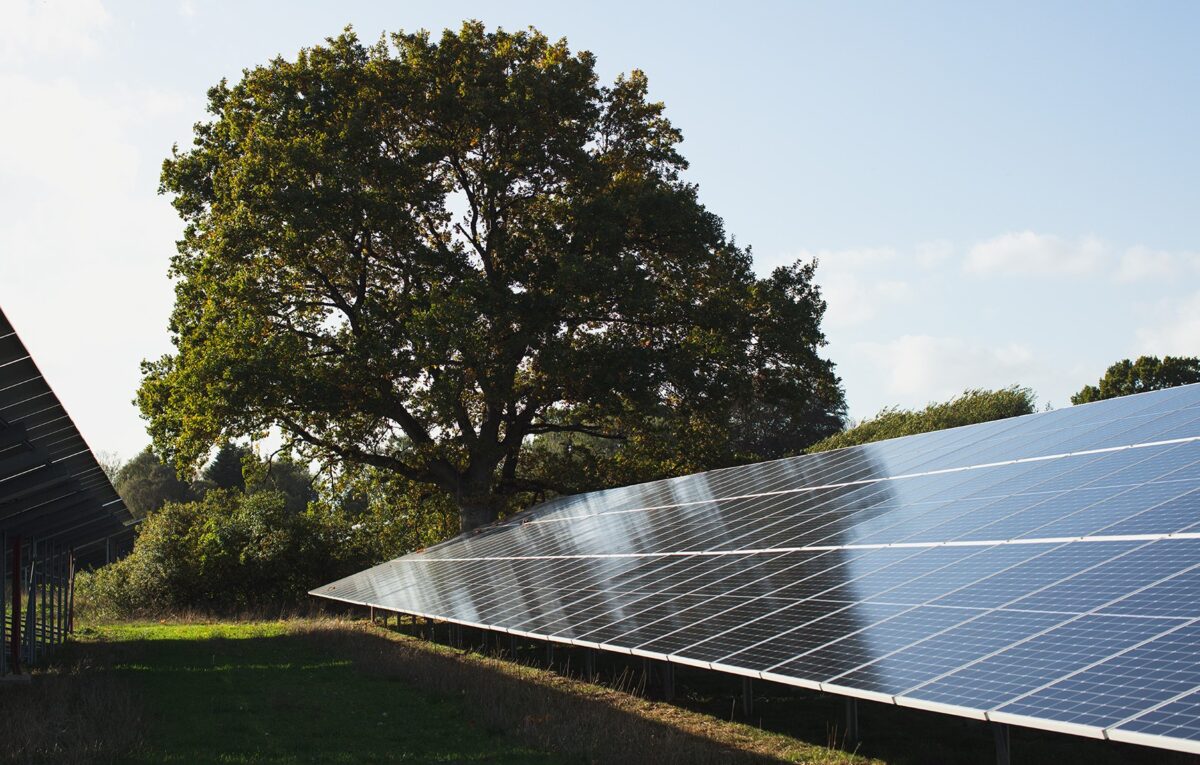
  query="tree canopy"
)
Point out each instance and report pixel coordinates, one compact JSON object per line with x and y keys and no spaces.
{"x":970,"y":407}
{"x":420,"y":255}
{"x":1147,"y":373}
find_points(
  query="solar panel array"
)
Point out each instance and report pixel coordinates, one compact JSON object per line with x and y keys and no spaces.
{"x":1042,"y":571}
{"x":51,"y":486}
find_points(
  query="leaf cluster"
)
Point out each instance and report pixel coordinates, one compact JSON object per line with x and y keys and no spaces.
{"x":972,"y":406}
{"x":1148,"y":373}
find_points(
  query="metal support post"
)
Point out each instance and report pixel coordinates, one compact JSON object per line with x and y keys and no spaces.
{"x":852,"y":722}
{"x":589,"y":663}
{"x":549,"y":655}
{"x":16,"y":604}
{"x":61,"y":622}
{"x":71,"y":594}
{"x":748,"y":697}
{"x":3,"y":603}
{"x":668,"y":680}
{"x":1003,"y":744}
{"x":512,"y":646}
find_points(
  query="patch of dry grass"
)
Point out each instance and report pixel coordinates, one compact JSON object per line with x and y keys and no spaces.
{"x":72,"y":713}
{"x":548,"y":711}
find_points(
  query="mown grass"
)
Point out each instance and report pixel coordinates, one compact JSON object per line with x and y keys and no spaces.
{"x":335,"y":691}
{"x":328,"y":691}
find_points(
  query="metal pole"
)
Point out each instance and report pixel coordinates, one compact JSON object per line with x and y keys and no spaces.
{"x":31,"y":605}
{"x":589,"y":663}
{"x":16,"y":607}
{"x":71,"y":593}
{"x":748,"y":697}
{"x":3,"y":603}
{"x":43,"y":592}
{"x":61,"y":622}
{"x":512,"y":646}
{"x":1003,"y":744}
{"x":668,"y":681}
{"x":549,"y":654}
{"x":852,"y":722}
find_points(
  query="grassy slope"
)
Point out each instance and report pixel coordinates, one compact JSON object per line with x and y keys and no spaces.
{"x":254,"y":692}
{"x":334,"y":691}
{"x":345,"y":692}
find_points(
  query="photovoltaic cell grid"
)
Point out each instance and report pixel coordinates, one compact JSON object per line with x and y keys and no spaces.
{"x":1041,"y":570}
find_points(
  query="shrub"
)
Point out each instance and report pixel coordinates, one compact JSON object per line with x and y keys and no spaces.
{"x":971,"y":407}
{"x":229,"y":551}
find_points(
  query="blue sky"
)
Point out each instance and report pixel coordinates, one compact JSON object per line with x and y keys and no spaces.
{"x":997,"y":193}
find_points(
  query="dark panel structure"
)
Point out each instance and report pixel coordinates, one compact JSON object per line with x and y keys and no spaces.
{"x":1041,"y":571}
{"x":58,"y":510}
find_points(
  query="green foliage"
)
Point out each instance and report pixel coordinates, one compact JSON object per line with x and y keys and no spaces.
{"x":145,"y":484}
{"x":419,"y":256}
{"x":225,"y":552}
{"x":225,"y":470}
{"x":267,"y":546}
{"x":971,"y":407}
{"x":1147,"y":373}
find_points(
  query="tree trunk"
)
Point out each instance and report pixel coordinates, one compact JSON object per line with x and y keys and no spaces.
{"x":478,"y":510}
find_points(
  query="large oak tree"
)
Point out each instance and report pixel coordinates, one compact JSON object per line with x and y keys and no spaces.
{"x":422,"y":254}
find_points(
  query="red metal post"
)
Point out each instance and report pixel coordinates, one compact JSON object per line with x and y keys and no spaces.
{"x":16,"y":607}
{"x":71,"y":593}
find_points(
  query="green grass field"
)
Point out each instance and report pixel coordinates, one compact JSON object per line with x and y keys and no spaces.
{"x":255,"y":693}
{"x":329,"y":691}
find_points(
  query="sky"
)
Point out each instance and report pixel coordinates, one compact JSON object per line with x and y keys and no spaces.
{"x":996,"y":193}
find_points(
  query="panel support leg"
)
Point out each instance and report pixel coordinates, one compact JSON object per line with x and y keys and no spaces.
{"x":668,"y":681}
{"x":15,"y":633}
{"x":549,"y":655}
{"x":71,"y":594}
{"x":852,"y":722}
{"x":748,"y":697}
{"x":512,"y":646}
{"x":589,"y":663}
{"x":1003,"y":744}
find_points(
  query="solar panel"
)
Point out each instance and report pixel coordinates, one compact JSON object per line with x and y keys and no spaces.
{"x":1041,"y":570}
{"x":51,"y":486}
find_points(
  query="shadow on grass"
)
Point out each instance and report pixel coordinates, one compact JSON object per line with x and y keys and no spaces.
{"x":332,"y":692}
{"x":891,"y":734}
{"x":584,"y":723}
{"x":277,"y":698}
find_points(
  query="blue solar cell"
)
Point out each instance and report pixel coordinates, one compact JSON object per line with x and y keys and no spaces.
{"x":943,"y":652}
{"x":1057,"y":564}
{"x":1098,"y":516}
{"x":1026,"y":666}
{"x":1177,"y":719}
{"x":1113,"y":690}
{"x":874,"y":642}
{"x":1116,"y":578}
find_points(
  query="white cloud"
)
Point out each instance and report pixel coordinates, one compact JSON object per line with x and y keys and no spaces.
{"x":854,"y":301}
{"x":1027,"y":253}
{"x":933,"y":254}
{"x":1174,"y":331}
{"x":1140,"y":263}
{"x":855,"y":284}
{"x":916,"y":369}
{"x":68,"y":27}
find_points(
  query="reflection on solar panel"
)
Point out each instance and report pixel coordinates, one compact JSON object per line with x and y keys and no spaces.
{"x":1042,"y":571}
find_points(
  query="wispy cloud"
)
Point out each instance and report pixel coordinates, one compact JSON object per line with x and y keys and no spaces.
{"x":932,"y":367}
{"x":69,"y":27}
{"x":1170,"y":327}
{"x":1027,"y":253}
